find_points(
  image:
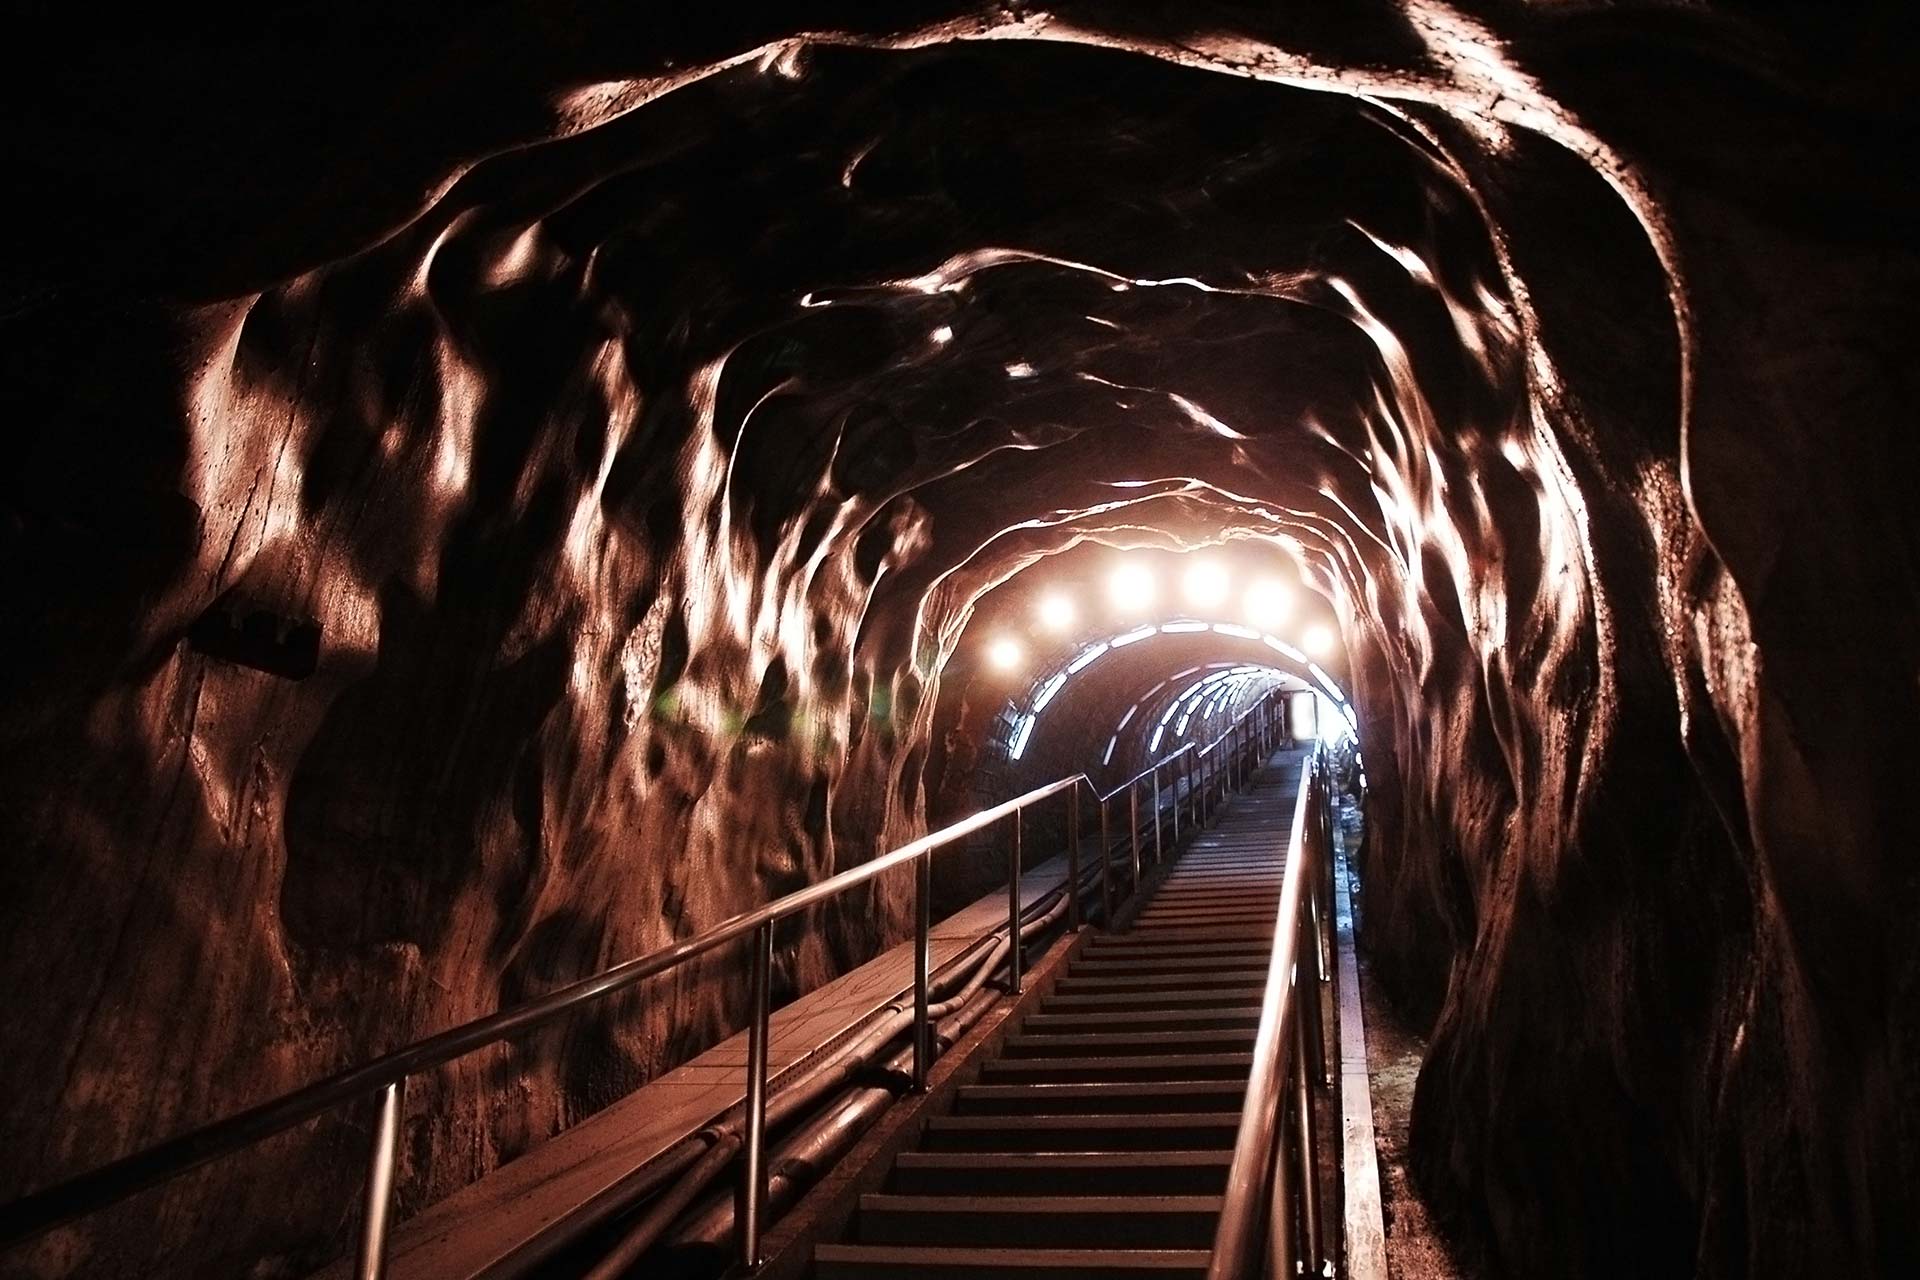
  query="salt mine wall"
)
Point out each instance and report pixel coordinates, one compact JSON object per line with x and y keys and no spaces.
{"x":492,"y":493}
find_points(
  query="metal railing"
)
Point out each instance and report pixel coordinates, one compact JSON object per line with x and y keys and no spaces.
{"x":1208,"y":770}
{"x":1265,"y":1199}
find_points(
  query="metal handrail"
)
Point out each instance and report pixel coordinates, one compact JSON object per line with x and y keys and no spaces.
{"x":1289,"y":1047}
{"x":385,"y":1076}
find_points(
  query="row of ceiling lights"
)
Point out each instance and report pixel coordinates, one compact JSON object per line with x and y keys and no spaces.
{"x":1133,"y":588}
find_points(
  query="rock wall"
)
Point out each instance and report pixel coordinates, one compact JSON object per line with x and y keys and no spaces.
{"x":498,"y":492}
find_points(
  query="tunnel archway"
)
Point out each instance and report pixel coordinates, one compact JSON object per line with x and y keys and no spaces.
{"x":628,"y":444}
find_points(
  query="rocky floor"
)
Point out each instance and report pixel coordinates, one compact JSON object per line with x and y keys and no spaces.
{"x":1416,"y":1250}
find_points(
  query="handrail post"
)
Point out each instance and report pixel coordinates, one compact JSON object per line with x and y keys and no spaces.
{"x":1200,"y":791}
{"x":1282,"y":1260}
{"x":1209,"y":778}
{"x":1013,"y":908}
{"x":377,"y":1211}
{"x":1319,"y":905}
{"x":1193,"y":791}
{"x":1133,"y":834}
{"x":754,"y":1169}
{"x":1174,"y":782}
{"x":1106,"y":869}
{"x":1324,"y":951}
{"x":1159,"y":852}
{"x":1306,"y":1029}
{"x":922,"y":966}
{"x":1073,"y":856}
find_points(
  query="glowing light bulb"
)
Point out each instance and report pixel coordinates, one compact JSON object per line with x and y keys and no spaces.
{"x":1205,"y":585}
{"x":1267,"y":604}
{"x":1131,"y":588}
{"x":1056,"y":612}
{"x":1004,"y":654}
{"x":1318,"y":641}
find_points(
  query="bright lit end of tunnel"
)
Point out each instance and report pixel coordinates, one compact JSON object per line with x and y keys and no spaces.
{"x":1004,"y":655}
{"x":1131,"y":588}
{"x":1318,"y":641}
{"x":1055,"y":611}
{"x":1267,"y":604}
{"x":1205,"y":585}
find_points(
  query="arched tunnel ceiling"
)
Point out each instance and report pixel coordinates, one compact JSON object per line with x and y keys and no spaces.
{"x":502,"y":489}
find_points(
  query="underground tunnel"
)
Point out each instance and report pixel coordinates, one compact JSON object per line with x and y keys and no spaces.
{"x":499,"y":492}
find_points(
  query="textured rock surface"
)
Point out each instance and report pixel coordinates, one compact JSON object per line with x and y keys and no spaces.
{"x":637,"y":406}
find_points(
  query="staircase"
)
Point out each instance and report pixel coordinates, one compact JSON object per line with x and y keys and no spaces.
{"x":1096,"y":1145}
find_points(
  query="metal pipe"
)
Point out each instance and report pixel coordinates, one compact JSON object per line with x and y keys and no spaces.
{"x":754,"y":1171}
{"x":670,"y":1205}
{"x":377,"y":1209}
{"x":1013,"y":908}
{"x":528,"y":1257}
{"x":922,"y":963}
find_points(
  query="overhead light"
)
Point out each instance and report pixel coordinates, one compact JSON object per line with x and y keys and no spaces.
{"x":1318,"y":641}
{"x":1131,"y":588}
{"x":1205,"y":585}
{"x":1056,"y":612}
{"x":1267,"y":603}
{"x":1004,"y":654}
